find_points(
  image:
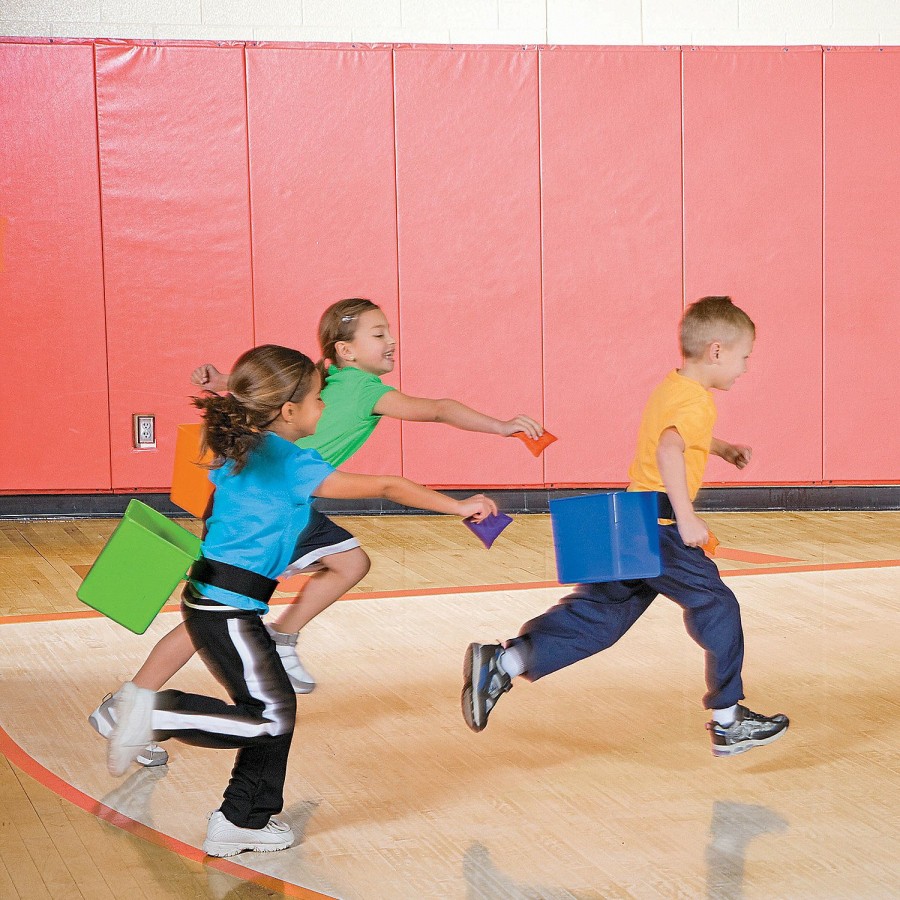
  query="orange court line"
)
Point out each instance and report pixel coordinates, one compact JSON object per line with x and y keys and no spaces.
{"x":478,"y":589}
{"x":820,"y":567}
{"x":751,"y":557}
{"x":53,"y":782}
{"x":31,"y":767}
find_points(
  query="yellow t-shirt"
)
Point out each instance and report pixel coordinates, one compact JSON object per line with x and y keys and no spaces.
{"x":687,"y":406}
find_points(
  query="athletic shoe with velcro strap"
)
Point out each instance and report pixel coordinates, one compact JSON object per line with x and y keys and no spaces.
{"x":748,"y":730}
{"x":484,"y":682}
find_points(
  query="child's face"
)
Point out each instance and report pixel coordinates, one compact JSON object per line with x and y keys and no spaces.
{"x":309,"y":409}
{"x":731,"y":362}
{"x":372,"y":347}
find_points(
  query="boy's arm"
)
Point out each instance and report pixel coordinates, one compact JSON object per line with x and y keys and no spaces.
{"x":397,"y":405}
{"x":736,"y":454}
{"x":670,"y":460}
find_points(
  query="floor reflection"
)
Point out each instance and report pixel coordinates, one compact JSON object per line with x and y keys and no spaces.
{"x":484,"y":881}
{"x":732,"y":827}
{"x":132,"y":798}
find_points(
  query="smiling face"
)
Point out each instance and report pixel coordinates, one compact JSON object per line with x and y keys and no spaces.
{"x":372,"y":346}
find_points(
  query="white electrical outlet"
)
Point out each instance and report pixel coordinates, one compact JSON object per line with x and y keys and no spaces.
{"x":144,"y":432}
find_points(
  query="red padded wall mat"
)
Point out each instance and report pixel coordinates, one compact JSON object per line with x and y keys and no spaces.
{"x":753,"y":229}
{"x":54,"y":420}
{"x":176,"y":235}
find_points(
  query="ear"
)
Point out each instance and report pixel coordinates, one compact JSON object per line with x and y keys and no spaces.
{"x":344,"y":351}
{"x":714,"y":351}
{"x":288,"y":410}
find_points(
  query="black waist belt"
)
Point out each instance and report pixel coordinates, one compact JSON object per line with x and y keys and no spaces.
{"x":233,"y":578}
{"x":665,"y":507}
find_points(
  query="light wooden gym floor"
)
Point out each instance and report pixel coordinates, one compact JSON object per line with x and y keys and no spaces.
{"x":596,"y":782}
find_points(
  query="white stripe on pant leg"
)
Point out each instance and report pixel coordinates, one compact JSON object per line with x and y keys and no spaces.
{"x":274,"y":722}
{"x":170,"y":720}
{"x":273,"y":710}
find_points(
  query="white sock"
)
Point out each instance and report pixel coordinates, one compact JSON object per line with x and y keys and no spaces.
{"x":513,"y":660}
{"x":725,"y":717}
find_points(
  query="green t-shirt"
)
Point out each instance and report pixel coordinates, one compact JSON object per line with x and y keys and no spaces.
{"x":347,"y":421}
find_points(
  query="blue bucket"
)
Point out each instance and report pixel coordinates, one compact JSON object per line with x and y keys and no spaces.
{"x":611,"y":536}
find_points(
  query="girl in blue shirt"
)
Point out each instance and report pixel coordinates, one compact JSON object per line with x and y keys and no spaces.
{"x":264,"y":489}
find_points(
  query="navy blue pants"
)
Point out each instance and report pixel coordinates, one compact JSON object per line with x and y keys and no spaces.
{"x":594,"y":616}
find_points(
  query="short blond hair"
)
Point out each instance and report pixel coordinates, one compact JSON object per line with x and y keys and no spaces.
{"x":712,"y":319}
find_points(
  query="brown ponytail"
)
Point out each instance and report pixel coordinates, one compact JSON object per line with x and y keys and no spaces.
{"x":261,"y":382}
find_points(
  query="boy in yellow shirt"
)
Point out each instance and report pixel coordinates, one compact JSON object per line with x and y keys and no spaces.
{"x":674,"y":442}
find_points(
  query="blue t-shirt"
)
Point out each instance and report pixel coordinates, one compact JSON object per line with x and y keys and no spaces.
{"x":258,"y":513}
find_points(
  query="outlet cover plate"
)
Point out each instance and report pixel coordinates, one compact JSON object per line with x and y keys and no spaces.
{"x":144,"y":431}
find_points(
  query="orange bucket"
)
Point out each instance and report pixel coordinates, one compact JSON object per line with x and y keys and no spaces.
{"x":191,"y":488}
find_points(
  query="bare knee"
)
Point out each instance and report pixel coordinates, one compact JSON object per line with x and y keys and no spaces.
{"x":352,"y":565}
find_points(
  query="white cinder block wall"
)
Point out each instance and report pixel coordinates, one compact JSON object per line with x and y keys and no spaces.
{"x":708,"y":22}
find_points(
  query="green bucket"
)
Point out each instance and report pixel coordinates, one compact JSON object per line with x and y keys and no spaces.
{"x":141,"y":565}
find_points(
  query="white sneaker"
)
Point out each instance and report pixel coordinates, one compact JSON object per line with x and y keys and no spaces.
{"x":225,"y":839}
{"x":286,"y":645}
{"x":103,"y":720}
{"x":133,"y":727}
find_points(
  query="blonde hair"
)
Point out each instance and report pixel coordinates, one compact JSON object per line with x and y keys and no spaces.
{"x":261,"y":382}
{"x":712,"y":319}
{"x":339,"y":323}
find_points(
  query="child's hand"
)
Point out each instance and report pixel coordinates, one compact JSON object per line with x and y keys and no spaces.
{"x":209,"y":377}
{"x":693,"y":530}
{"x":523,"y":423}
{"x":737,"y":454}
{"x":478,"y":507}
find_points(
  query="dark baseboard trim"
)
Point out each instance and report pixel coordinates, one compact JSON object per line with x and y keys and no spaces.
{"x":863,"y":497}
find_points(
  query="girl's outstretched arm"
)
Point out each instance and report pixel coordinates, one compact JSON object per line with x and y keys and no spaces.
{"x":396,"y":405}
{"x":209,"y":377}
{"x":344,"y":486}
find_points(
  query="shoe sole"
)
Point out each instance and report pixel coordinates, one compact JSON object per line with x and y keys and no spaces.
{"x":101,"y":724}
{"x":744,"y":746}
{"x":470,"y":713}
{"x":221,"y":849}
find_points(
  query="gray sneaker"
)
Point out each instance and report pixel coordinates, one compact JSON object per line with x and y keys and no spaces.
{"x":747,"y":731}
{"x":103,"y":720}
{"x":483,"y":683}
{"x":225,"y":839}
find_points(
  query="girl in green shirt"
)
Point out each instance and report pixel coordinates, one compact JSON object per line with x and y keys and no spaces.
{"x":357,"y":349}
